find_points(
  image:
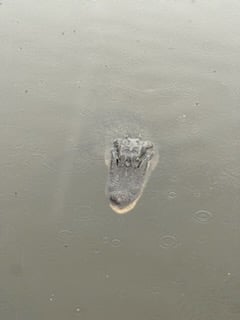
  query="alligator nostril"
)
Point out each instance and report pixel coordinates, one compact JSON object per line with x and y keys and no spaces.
{"x":119,"y":198}
{"x":115,"y":200}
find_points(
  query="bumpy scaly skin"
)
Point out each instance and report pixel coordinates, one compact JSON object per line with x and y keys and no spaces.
{"x":128,"y":172}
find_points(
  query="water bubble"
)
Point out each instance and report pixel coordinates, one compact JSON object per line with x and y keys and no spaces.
{"x":116,"y":242}
{"x":78,"y":309}
{"x":52,"y":297}
{"x":172,"y":195}
{"x":182,"y":118}
{"x":202,"y":216}
{"x":168,"y":241}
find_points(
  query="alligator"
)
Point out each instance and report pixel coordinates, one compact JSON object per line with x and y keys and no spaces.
{"x":131,"y":161}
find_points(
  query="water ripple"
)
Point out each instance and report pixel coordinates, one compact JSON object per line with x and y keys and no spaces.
{"x":168,"y":241}
{"x":202,"y":216}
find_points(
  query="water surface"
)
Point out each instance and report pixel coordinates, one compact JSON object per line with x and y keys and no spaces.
{"x":74,"y":76}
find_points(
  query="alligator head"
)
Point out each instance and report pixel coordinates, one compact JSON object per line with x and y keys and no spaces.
{"x":129,"y":168}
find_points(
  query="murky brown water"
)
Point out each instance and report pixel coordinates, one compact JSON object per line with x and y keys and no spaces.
{"x":76,"y":74}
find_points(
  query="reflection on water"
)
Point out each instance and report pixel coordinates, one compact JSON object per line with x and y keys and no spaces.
{"x":74,"y":76}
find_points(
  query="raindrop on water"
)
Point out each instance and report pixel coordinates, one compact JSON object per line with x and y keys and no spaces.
{"x":168,"y":241}
{"x":116,"y":242}
{"x":172,"y":195}
{"x":202,"y":216}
